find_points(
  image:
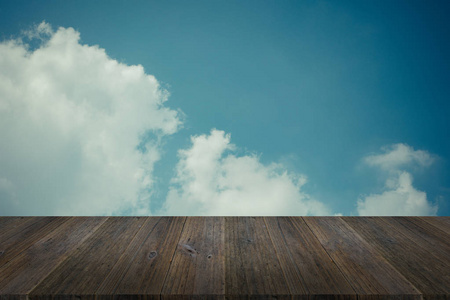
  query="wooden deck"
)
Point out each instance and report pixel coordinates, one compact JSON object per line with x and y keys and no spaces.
{"x":224,"y":257}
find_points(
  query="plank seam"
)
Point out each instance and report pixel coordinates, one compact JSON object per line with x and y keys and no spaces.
{"x":407,"y":238}
{"x":410,"y":220}
{"x":247,"y":234}
{"x":32,"y":223}
{"x":328,"y":254}
{"x":278,"y":257}
{"x":118,"y":281}
{"x":11,"y":261}
{"x":68,"y":256}
{"x":123,"y":253}
{"x":52,"y":219}
{"x":235,"y":235}
{"x":428,"y":218}
{"x":420,"y":293}
{"x":171,"y":260}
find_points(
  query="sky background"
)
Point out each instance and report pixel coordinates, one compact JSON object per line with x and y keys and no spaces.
{"x":224,"y":108}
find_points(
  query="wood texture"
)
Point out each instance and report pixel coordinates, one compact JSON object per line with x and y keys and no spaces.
{"x":168,"y":258}
{"x":27,"y":269}
{"x":81,"y":274}
{"x":252,"y":268}
{"x":308,"y":268}
{"x":143,"y":268}
{"x":423,"y":235}
{"x":412,"y":257}
{"x":20,"y":237}
{"x":197,"y":267}
{"x":8,"y":222}
{"x":365,"y":269}
{"x":442,"y":223}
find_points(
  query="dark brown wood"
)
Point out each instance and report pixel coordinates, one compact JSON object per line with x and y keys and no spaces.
{"x":11,"y":226}
{"x":169,"y":258}
{"x":197,"y":267}
{"x":419,"y":265}
{"x":143,"y":268}
{"x":423,"y":235}
{"x":19,"y":238}
{"x":365,"y":269}
{"x":442,"y":223}
{"x":7,"y":222}
{"x":307,"y":267}
{"x":81,"y":274}
{"x":26,"y":270}
{"x":120,"y":269}
{"x":252,"y":268}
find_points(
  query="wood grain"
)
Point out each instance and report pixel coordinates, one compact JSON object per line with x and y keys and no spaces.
{"x":169,"y":258}
{"x":81,"y":274}
{"x":197,"y":267}
{"x":19,"y":238}
{"x":308,"y":268}
{"x":252,"y":268}
{"x":423,"y":235}
{"x":27,"y":269}
{"x":365,"y":269}
{"x":430,"y":275}
{"x":8,"y":222}
{"x":143,"y":268}
{"x":13,"y":225}
{"x":442,"y":223}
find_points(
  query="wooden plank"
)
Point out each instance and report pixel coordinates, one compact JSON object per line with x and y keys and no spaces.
{"x":142,"y":269}
{"x":26,"y":270}
{"x":80,"y":275}
{"x":22,"y":237}
{"x":5,"y":222}
{"x":289,"y":257}
{"x":252,"y":269}
{"x":423,"y":235}
{"x":197,"y":268}
{"x":109,"y":285}
{"x":307,"y":266}
{"x":365,"y":269}
{"x":442,"y":223}
{"x":15,"y":226}
{"x":417,"y":264}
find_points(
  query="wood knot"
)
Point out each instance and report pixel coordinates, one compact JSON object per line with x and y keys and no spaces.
{"x":152,"y":254}
{"x":189,"y":250}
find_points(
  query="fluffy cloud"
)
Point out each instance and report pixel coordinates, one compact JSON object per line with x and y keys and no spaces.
{"x":71,"y":120}
{"x":210,"y":180}
{"x":400,"y":198}
{"x":399,"y":155}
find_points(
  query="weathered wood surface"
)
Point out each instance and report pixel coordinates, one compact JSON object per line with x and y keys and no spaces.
{"x":404,"y":247}
{"x":224,"y":258}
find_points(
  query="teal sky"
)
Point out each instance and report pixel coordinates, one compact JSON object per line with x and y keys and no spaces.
{"x":317,"y":86}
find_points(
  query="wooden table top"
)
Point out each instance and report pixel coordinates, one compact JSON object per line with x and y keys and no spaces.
{"x":224,"y":257}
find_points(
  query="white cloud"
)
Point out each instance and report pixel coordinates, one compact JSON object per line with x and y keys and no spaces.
{"x":399,"y":198}
{"x":70,"y":121}
{"x":210,"y":180}
{"x":41,"y":31}
{"x":399,"y":155}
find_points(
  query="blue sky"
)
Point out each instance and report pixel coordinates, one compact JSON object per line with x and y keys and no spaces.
{"x":331,"y":103}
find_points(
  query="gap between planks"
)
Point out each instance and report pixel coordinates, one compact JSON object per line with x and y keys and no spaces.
{"x":438,"y":227}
